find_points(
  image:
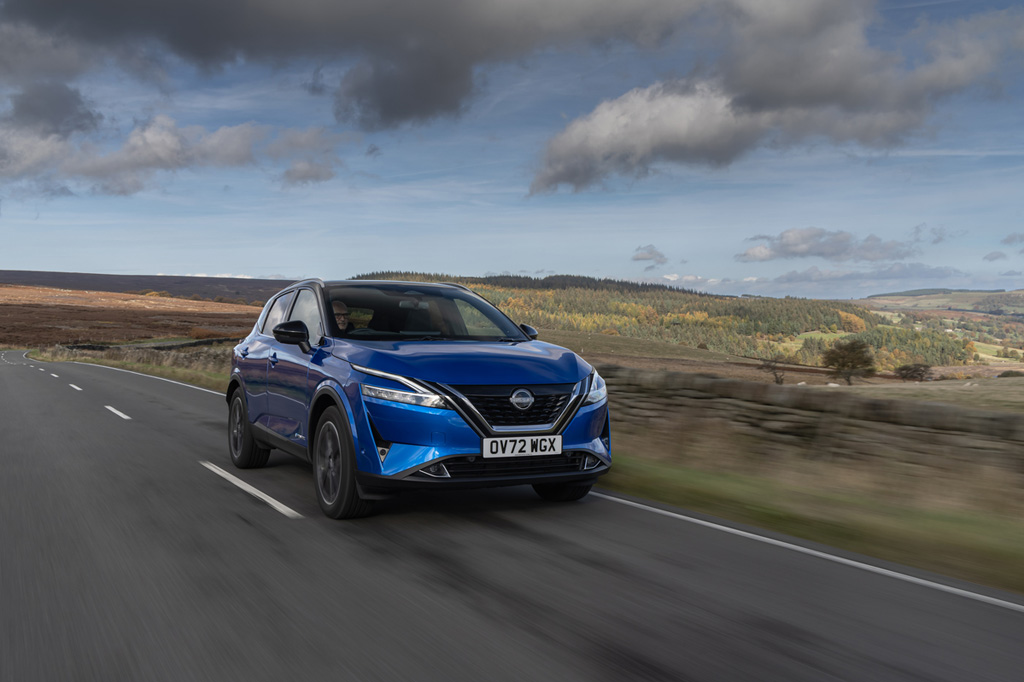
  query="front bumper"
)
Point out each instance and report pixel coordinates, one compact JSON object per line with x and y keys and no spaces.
{"x":400,"y":445}
{"x":489,"y":473}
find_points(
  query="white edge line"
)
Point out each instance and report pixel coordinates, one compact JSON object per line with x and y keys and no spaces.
{"x":74,"y":387}
{"x":120,"y":414}
{"x":822,"y":555}
{"x":258,"y":494}
{"x":172,"y":381}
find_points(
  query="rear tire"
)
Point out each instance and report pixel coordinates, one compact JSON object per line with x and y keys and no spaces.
{"x":562,"y":492}
{"x":245,"y":451}
{"x":334,"y":469}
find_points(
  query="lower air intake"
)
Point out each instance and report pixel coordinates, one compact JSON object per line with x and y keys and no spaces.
{"x":462,"y":467}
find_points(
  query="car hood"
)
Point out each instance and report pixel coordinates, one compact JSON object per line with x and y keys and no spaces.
{"x":468,"y":362}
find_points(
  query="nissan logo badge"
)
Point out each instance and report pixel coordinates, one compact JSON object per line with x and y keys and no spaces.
{"x":522,"y":399}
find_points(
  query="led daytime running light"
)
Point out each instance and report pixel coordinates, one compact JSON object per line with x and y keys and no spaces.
{"x":421,"y":399}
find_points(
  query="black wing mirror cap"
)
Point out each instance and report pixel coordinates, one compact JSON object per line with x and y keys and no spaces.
{"x":529,"y":331}
{"x":293,"y":332}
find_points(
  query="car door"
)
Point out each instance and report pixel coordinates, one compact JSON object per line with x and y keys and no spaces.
{"x":253,"y":359}
{"x":287,"y":391}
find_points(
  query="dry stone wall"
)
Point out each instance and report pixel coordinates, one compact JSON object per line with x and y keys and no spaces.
{"x":822,"y":423}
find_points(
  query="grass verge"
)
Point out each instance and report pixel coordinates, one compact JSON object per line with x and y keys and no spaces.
{"x":979,"y":548}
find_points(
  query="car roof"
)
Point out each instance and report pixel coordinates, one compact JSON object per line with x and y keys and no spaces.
{"x":369,"y":283}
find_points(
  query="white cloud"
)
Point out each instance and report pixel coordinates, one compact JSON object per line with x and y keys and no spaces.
{"x":790,"y":73}
{"x":834,"y":246}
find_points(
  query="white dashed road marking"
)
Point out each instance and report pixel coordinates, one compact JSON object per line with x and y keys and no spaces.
{"x":822,"y":555}
{"x":120,"y":414}
{"x":74,"y":387}
{"x":258,"y":494}
{"x":55,"y":376}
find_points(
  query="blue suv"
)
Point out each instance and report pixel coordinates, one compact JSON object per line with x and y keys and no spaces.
{"x":384,"y":386}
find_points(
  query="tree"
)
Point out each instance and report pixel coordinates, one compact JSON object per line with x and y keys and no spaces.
{"x":771,"y":365}
{"x":915,"y":372}
{"x":849,"y":359}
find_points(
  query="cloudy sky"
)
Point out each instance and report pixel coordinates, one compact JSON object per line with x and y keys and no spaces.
{"x":779,"y":147}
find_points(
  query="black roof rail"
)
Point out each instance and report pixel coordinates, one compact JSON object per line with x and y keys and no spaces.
{"x":456,"y":284}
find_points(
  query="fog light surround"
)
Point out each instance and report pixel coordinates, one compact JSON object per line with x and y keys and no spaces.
{"x":436,"y":470}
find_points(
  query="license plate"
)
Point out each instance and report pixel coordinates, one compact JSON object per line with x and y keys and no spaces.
{"x":522,"y":446}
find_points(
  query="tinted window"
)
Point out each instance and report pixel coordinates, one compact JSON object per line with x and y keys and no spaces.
{"x":277,"y":312}
{"x":410,"y":311}
{"x":307,"y":310}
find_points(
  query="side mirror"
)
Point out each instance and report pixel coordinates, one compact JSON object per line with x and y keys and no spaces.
{"x":293,"y":332}
{"x":529,"y":331}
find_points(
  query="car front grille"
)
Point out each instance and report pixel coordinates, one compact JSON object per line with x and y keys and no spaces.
{"x":480,"y":467}
{"x":494,"y":404}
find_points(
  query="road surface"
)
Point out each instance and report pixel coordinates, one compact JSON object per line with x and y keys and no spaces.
{"x":125,"y":555}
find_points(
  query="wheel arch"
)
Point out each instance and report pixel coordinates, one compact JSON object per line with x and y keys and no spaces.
{"x":234,"y":384}
{"x":328,"y":395}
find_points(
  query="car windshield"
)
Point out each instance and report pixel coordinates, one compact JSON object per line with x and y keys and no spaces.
{"x":407,"y":311}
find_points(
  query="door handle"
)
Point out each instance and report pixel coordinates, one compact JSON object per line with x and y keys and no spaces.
{"x":273,"y":358}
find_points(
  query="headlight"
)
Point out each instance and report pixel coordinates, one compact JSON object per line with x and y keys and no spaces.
{"x":421,"y":399}
{"x":420,"y":394}
{"x":598,"y":390}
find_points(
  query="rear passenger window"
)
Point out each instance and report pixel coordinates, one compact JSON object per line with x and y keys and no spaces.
{"x":277,"y":312}
{"x":307,"y":311}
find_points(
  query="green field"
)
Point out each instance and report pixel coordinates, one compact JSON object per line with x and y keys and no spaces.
{"x":1010,"y":301}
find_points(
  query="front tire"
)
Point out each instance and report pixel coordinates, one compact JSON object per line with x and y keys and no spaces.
{"x":334,"y":469}
{"x":562,"y":492}
{"x":245,"y":452}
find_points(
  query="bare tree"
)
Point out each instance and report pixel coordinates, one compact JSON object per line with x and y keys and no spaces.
{"x":772,"y":366}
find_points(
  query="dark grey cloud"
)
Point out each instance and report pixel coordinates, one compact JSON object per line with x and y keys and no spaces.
{"x":51,"y":109}
{"x":994,"y":255}
{"x":373,"y":151}
{"x":789,"y":73}
{"x":1015,"y":238}
{"x":1011,"y":273}
{"x":380,"y":93}
{"x":816,"y":242}
{"x":413,"y":60}
{"x":650,"y":253}
{"x":28,"y":54}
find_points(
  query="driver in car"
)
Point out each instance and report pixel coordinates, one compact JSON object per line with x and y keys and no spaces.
{"x":341,"y":317}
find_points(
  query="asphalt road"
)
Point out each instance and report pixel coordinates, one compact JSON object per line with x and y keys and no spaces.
{"x":123,"y":557}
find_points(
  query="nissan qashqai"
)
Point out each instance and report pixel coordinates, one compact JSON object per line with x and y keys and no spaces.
{"x":384,"y":386}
